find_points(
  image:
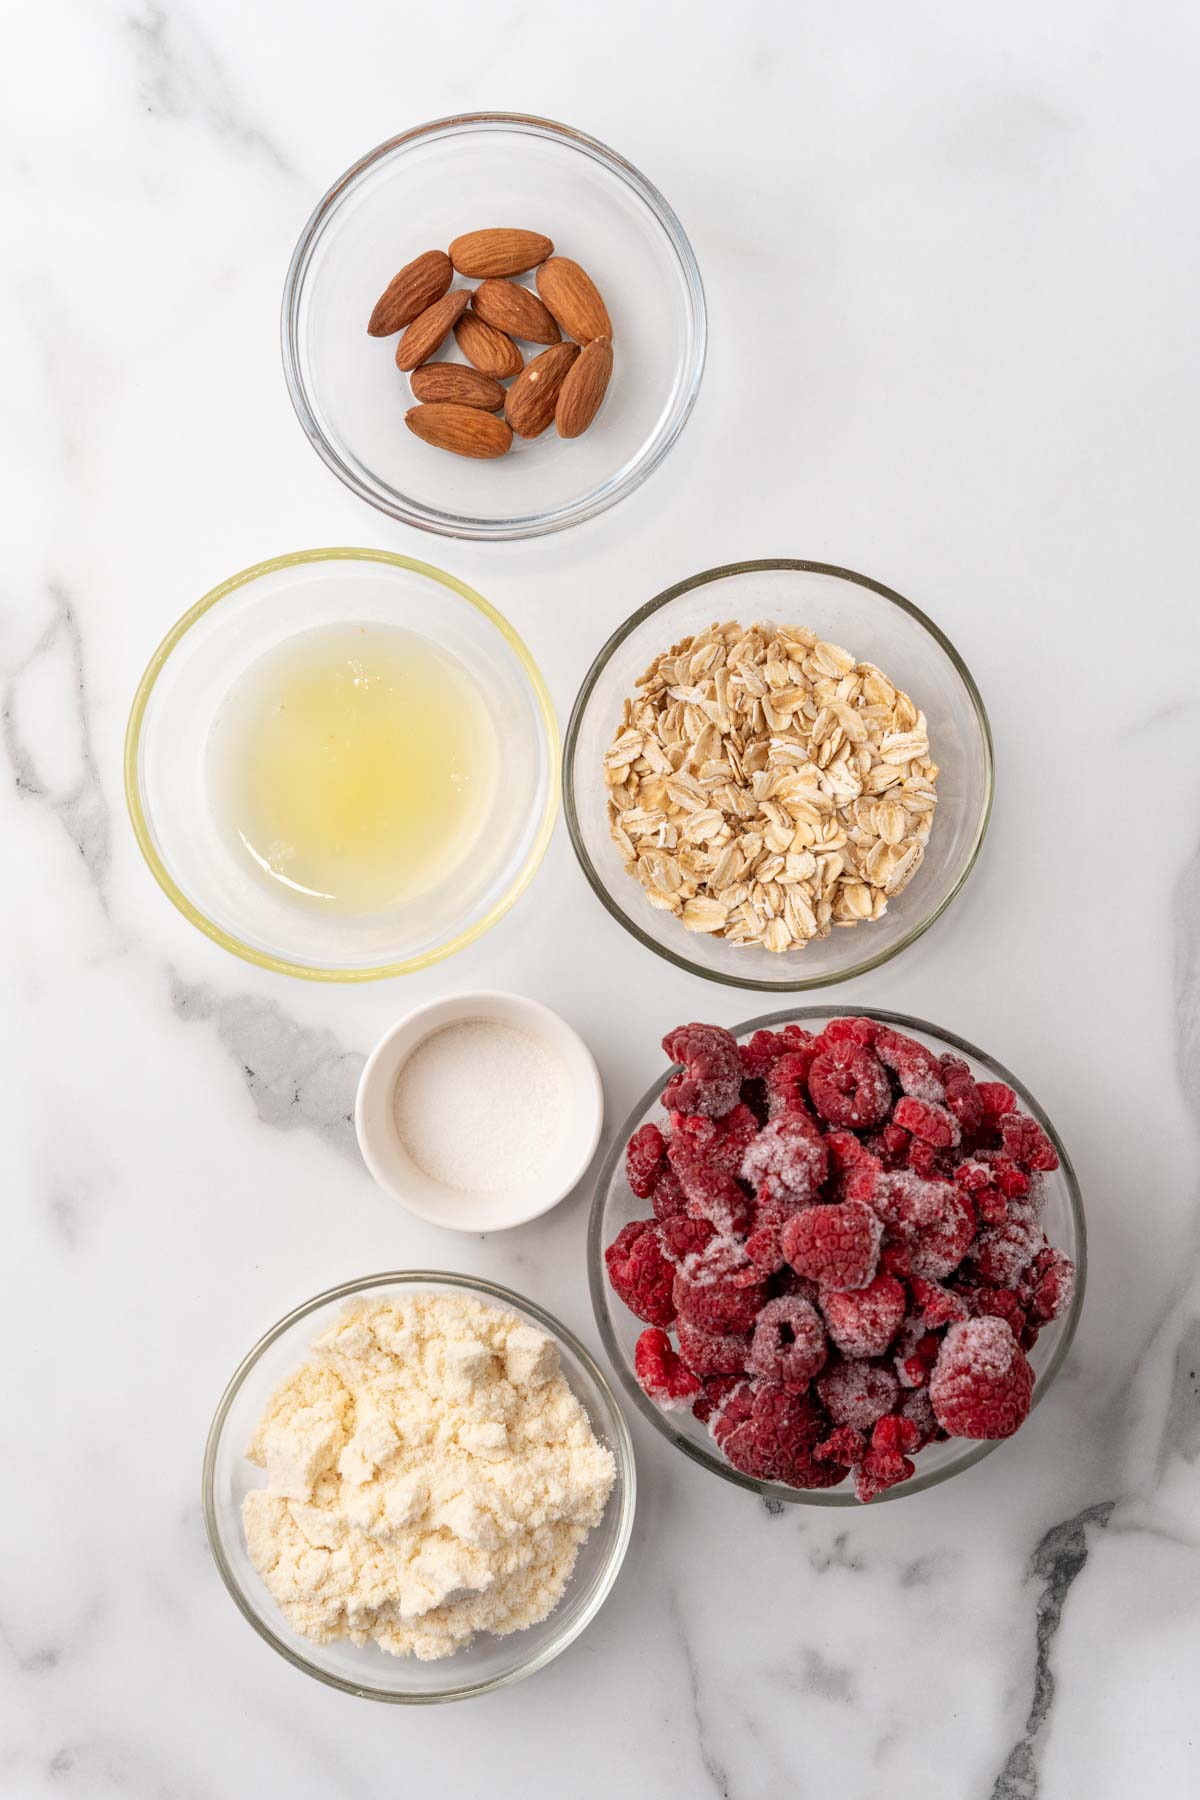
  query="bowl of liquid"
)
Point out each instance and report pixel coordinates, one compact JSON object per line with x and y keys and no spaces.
{"x":341,"y":764}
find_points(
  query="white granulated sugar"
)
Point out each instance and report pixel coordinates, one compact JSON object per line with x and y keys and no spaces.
{"x":481,"y":1107}
{"x":430,"y":1474}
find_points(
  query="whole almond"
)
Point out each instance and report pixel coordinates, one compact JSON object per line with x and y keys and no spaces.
{"x":463,"y":429}
{"x":429,"y":328}
{"x":489,"y":349}
{"x":417,"y":286}
{"x":583,"y":388}
{"x":435,"y":381}
{"x":574,"y":299}
{"x":499,"y":252}
{"x":530,"y":402}
{"x":514,"y":310}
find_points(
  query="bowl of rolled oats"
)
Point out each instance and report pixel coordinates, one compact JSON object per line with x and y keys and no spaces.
{"x":778,"y":774}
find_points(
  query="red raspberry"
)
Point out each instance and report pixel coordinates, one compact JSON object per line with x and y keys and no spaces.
{"x":708,"y":1191}
{"x":916,"y":1068}
{"x":711,"y":1078}
{"x":848,"y":1155}
{"x":707,"y":1355}
{"x":789,"y":1344}
{"x":798,"y":1039}
{"x":719,"y":1289}
{"x":896,"y":1259}
{"x":716,"y":1392}
{"x":864,"y":1323}
{"x":837,"y":1246}
{"x":849,"y":1086}
{"x":916,"y":1353}
{"x":721,"y":1142}
{"x":855,"y":1030}
{"x":788,"y":1158}
{"x":895,"y":1433}
{"x":982,"y":1384}
{"x":941,"y":1246}
{"x":997,"y":1100}
{"x":787,"y":1084}
{"x":880,"y":1469}
{"x":1025,"y":1141}
{"x":683,"y":1236}
{"x":667,"y":1199}
{"x":856,"y":1392}
{"x":1002,"y":1252}
{"x":926,"y":1119}
{"x":937,"y":1305}
{"x":918,"y":1409}
{"x":1012,"y":1181}
{"x":661,"y":1374}
{"x":644,"y":1155}
{"x":891,"y":1145}
{"x":973,"y":1175}
{"x":764,"y":1249}
{"x":994,"y":1303}
{"x":770,"y":1433}
{"x":1051,"y":1283}
{"x":763,"y":1049}
{"x":962,"y":1097}
{"x":930,"y":1164}
{"x":639,"y":1272}
{"x":845,"y":1445}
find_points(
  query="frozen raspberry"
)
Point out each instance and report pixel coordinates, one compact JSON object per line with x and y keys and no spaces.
{"x":995,"y":1303}
{"x":864,"y":1323}
{"x":962,"y":1097}
{"x":982,"y":1384}
{"x":837,"y":1246}
{"x":896,"y":1259}
{"x":908,"y":1204}
{"x":975,"y":1179}
{"x":1003,"y":1251}
{"x":918,"y":1409}
{"x":937,"y":1305}
{"x":1025,"y":1141}
{"x":684,"y":1236}
{"x":931,"y":1164}
{"x":878,"y":1470}
{"x":756,"y":1056}
{"x":667,"y":1197}
{"x":848,"y":1154}
{"x":891,"y":1145}
{"x":997,"y":1100}
{"x":787,"y":1159}
{"x":926,"y":1119}
{"x":940,"y":1246}
{"x":661,"y":1374}
{"x":708,"y":1191}
{"x":1051,"y":1283}
{"x":895,"y":1433}
{"x":707,"y":1355}
{"x":770,"y":1433}
{"x":849,"y":1031}
{"x":719,"y":1289}
{"x":916,"y":1353}
{"x":916,"y":1068}
{"x":952,"y":1066}
{"x":721,"y":1142}
{"x":849,"y":1086}
{"x":845,"y":1445}
{"x":856,"y":1392}
{"x":711,"y":1078}
{"x":715,"y":1393}
{"x":644,"y":1155}
{"x":1012,"y":1181}
{"x":787,"y":1084}
{"x":764,"y":1248}
{"x":973,"y":1175}
{"x":639,"y":1272}
{"x":789,"y":1344}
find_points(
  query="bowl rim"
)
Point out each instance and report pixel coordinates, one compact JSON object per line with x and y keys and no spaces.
{"x":622,"y":1447}
{"x":461,"y":1008}
{"x":466,"y":525}
{"x":797,"y":984}
{"x":598,"y":1282}
{"x":264,"y":959}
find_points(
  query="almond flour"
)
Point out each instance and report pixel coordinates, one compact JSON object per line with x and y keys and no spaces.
{"x":430,"y":1475}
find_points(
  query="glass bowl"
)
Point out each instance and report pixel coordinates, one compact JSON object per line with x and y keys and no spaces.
{"x":180,"y":695}
{"x":419,"y":191}
{"x":615,"y":1205}
{"x":488,"y":1662}
{"x":875,"y":624}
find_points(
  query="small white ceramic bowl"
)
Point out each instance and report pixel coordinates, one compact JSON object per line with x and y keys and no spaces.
{"x":458,"y":1209}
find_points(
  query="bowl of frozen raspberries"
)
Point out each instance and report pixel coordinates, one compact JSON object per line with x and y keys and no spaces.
{"x":836,"y":1257}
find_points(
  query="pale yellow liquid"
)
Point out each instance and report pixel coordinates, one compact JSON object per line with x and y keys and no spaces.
{"x":353,"y":765}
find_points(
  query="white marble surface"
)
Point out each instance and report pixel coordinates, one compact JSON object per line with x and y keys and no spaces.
{"x":969,"y":230}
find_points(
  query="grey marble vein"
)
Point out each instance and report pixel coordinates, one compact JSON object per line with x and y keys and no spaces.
{"x":827,"y":1680}
{"x":79,"y":805}
{"x":1057,"y":1562}
{"x":299,"y":1079}
{"x":714,"y":1768}
{"x":182,"y":77}
{"x":837,"y":1556}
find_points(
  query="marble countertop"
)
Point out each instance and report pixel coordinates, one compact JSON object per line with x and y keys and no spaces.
{"x":970,"y":225}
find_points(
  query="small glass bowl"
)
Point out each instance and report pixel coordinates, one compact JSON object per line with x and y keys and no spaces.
{"x":488,"y":1662}
{"x":181,"y":693}
{"x":615,"y":1205}
{"x":418,"y":192}
{"x":875,"y":624}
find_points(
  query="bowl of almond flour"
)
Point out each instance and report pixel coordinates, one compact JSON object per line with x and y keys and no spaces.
{"x":418,"y":1487}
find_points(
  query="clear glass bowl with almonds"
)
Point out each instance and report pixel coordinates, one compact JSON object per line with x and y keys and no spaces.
{"x":778,"y":774}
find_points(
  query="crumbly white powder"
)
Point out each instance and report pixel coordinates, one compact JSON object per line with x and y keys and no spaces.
{"x":481,"y":1107}
{"x":430,"y":1474}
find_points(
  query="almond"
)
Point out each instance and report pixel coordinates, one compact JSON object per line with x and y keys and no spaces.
{"x":583,"y":388}
{"x":516,"y":311}
{"x":499,"y":252}
{"x":574,"y":299}
{"x":463,"y":387}
{"x":487,"y":348}
{"x":463,"y":429}
{"x":529,"y":406}
{"x":429,"y":328}
{"x":417,"y":286}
